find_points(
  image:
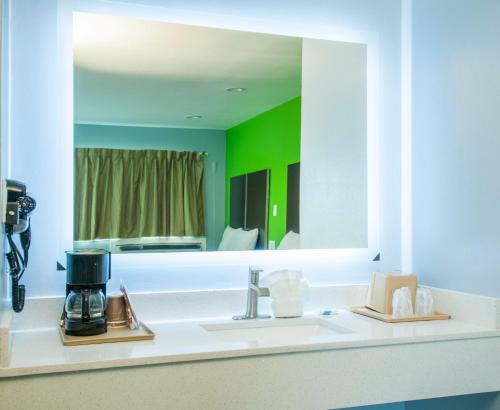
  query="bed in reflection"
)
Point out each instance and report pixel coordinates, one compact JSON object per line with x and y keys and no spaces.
{"x":249,"y":211}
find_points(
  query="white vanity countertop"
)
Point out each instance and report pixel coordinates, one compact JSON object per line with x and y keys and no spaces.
{"x":41,"y":351}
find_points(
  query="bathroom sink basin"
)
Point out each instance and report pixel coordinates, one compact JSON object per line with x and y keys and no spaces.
{"x":274,"y":330}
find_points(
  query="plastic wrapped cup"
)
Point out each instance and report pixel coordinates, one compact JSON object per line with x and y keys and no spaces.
{"x":425,"y":302}
{"x":401,"y":303}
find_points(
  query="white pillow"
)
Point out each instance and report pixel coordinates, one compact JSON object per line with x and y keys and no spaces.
{"x":244,"y":240}
{"x":290,"y":241}
{"x":227,"y":238}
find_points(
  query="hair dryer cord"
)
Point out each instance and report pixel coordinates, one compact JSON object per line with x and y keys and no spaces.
{"x":25,"y":238}
{"x":16,"y":267}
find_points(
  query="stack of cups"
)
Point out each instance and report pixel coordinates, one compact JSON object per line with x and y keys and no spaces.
{"x":286,"y":288}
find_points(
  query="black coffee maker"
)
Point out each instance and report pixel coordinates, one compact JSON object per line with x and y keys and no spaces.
{"x":87,"y":272}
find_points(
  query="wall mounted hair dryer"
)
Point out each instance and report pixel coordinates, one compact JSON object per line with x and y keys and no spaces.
{"x":17,"y":221}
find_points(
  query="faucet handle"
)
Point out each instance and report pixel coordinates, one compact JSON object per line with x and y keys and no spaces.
{"x":253,"y":274}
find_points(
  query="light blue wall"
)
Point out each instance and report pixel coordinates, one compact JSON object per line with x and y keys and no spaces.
{"x":4,"y":95}
{"x":35,"y":131}
{"x":456,"y":161}
{"x":177,"y":139}
{"x":456,"y":144}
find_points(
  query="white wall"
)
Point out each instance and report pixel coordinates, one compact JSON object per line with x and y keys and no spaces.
{"x":333,"y":152}
{"x":456,"y":144}
{"x":41,"y":121}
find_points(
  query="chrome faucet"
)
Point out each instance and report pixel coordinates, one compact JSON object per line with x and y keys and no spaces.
{"x":253,"y":295}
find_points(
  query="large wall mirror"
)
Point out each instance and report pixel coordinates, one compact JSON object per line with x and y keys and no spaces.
{"x":200,"y":139}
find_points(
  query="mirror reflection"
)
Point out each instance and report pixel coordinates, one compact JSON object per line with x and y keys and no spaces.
{"x":189,"y":139}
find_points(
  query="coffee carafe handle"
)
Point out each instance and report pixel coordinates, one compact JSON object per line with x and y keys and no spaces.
{"x":85,"y":305}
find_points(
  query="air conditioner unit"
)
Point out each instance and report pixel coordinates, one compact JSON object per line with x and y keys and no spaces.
{"x":144,"y":245}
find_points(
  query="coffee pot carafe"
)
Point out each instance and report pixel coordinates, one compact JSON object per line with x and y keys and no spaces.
{"x":85,"y":304}
{"x":88,"y":270}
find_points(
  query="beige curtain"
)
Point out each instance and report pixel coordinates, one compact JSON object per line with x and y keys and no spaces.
{"x":138,"y":193}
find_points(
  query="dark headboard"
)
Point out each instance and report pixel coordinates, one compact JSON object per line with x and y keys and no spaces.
{"x":237,"y":201}
{"x":249,"y":204}
{"x":257,"y":205}
{"x":293,"y":198}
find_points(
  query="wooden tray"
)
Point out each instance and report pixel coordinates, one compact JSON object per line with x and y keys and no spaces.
{"x":114,"y":334}
{"x":363,"y":310}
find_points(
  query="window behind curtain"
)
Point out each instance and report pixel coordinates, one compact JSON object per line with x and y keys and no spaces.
{"x":138,"y":193}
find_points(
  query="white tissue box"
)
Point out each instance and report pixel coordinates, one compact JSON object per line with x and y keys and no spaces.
{"x":382,"y":287}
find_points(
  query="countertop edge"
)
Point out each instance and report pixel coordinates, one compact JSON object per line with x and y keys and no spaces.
{"x":11,"y":372}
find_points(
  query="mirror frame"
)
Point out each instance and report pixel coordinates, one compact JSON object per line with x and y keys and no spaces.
{"x":64,"y":209}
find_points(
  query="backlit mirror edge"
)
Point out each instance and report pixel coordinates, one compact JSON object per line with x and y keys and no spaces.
{"x":64,"y":203}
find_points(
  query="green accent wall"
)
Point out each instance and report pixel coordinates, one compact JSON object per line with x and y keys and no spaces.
{"x":270,"y":140}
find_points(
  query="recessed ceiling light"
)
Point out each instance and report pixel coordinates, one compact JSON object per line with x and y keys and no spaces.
{"x":192,"y":117}
{"x":236,"y":89}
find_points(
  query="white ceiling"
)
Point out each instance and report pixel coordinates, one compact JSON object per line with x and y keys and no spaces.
{"x":130,"y":71}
